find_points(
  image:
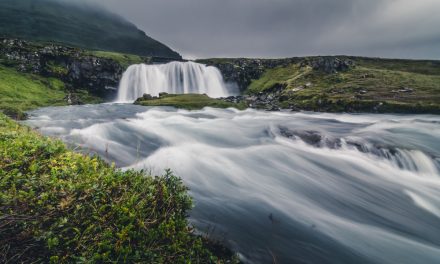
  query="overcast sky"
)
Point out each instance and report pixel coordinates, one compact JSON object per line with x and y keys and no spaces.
{"x":286,"y":28}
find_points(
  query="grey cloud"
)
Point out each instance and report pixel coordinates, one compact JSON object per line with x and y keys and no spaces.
{"x":283,"y":28}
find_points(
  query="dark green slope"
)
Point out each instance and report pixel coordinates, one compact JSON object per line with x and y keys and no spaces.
{"x":77,"y":25}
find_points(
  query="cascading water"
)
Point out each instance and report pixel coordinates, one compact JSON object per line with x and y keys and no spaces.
{"x":173,"y":77}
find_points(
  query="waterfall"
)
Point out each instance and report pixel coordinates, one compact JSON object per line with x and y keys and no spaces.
{"x":173,"y":78}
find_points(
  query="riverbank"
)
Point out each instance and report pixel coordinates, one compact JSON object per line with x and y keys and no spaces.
{"x":60,"y":206}
{"x":271,"y":184}
{"x":335,"y":84}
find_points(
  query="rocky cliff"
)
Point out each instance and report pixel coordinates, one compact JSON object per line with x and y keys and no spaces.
{"x":78,"y":69}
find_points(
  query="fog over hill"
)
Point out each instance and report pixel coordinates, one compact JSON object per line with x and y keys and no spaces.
{"x":286,"y":28}
{"x":76,"y":23}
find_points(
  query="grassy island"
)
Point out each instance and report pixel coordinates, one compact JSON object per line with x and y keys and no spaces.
{"x":187,"y":101}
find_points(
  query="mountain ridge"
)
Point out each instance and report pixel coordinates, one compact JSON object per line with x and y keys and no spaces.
{"x":74,"y":24}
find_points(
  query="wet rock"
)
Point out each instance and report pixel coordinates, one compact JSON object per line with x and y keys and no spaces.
{"x":311,"y":137}
{"x":308,"y":136}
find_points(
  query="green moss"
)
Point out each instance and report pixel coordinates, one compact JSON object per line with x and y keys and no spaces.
{"x":124,"y":59}
{"x":58,"y":70}
{"x":278,"y":75}
{"x":85,"y":97}
{"x":64,"y":207}
{"x":20,"y":92}
{"x":188,"y":101}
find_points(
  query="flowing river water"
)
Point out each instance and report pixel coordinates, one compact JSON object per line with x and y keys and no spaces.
{"x":282,"y":187}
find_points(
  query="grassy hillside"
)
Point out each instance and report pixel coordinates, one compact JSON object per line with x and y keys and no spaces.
{"x":20,"y":92}
{"x":187,"y":101}
{"x":123,"y":59}
{"x":391,"y":85}
{"x":58,"y":206}
{"x":78,"y":25}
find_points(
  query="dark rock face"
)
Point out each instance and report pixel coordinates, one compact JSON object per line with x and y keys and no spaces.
{"x":328,"y":64}
{"x":97,"y":75}
{"x":268,"y":100}
{"x":100,"y":76}
{"x":242,"y":71}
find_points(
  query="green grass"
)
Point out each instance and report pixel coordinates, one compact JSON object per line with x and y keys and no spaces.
{"x":124,"y":59}
{"x":271,"y":77}
{"x":188,"y":101}
{"x":20,"y":91}
{"x":372,"y":84}
{"x":415,"y":66}
{"x":63,"y":207}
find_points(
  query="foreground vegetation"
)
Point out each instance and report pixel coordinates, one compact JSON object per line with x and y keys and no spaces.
{"x":187,"y":101}
{"x":60,"y":206}
{"x":373,"y":85}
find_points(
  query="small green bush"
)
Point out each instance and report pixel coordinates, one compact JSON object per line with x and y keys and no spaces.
{"x":59,"y":206}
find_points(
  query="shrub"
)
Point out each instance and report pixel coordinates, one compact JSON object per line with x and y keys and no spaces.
{"x":59,"y":206}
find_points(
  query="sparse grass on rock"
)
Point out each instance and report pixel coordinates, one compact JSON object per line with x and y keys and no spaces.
{"x":373,"y":85}
{"x":187,"y":101}
{"x":123,"y":59}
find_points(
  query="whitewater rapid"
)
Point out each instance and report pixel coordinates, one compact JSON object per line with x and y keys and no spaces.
{"x":290,"y":187}
{"x":174,"y":78}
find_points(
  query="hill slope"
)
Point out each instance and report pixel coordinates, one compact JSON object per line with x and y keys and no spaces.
{"x":336,"y":83}
{"x":77,"y":25}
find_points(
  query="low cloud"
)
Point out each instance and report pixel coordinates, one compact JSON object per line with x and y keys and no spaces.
{"x":283,"y":28}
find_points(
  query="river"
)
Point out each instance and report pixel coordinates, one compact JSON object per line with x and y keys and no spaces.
{"x":283,"y":187}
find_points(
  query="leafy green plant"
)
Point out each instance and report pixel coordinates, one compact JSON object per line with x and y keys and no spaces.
{"x":58,"y":206}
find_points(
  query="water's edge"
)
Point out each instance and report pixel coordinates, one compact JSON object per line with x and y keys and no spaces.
{"x":303,"y":187}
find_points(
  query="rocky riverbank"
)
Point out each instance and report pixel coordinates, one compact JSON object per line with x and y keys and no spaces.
{"x":335,"y":84}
